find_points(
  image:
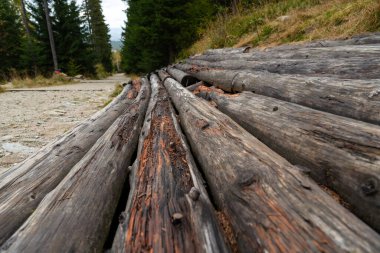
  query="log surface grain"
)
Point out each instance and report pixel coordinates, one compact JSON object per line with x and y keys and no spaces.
{"x":77,"y":214}
{"x":338,"y":152}
{"x":272,"y":206}
{"x":162,"y":215}
{"x":25,"y":185}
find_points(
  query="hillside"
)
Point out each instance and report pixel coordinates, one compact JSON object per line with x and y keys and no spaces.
{"x":288,"y":21}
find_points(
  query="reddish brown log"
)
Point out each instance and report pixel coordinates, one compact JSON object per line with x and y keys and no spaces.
{"x":272,"y":206}
{"x":168,"y":209}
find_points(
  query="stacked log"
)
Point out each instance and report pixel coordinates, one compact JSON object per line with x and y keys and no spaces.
{"x":182,"y":77}
{"x":24,"y":186}
{"x":357,"y":99}
{"x":271,"y":205}
{"x":77,"y":214}
{"x":350,"y":68}
{"x":348,"y":51}
{"x":168,"y":209}
{"x":338,"y":152}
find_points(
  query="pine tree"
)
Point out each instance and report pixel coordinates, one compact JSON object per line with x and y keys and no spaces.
{"x":39,"y":53}
{"x":10,"y":38}
{"x":99,"y":33}
{"x":156,"y":31}
{"x":50,"y":32}
{"x":72,"y":47}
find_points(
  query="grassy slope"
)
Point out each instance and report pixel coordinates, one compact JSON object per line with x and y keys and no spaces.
{"x":306,"y":20}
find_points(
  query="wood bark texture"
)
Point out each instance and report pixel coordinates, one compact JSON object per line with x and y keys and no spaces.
{"x":361,"y":51}
{"x":357,"y":99}
{"x":182,"y":77}
{"x":76,"y":216}
{"x":350,"y":68}
{"x":168,"y":209}
{"x":25,"y":185}
{"x":272,"y":206}
{"x":229,"y":50}
{"x":338,"y":152}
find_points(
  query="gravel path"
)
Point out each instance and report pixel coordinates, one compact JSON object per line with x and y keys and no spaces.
{"x":31,"y":118}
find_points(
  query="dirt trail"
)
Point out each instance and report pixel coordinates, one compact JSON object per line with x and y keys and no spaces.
{"x":31,"y":118}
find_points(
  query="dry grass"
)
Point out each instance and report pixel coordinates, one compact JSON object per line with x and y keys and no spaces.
{"x":118,"y":89}
{"x":307,"y":20}
{"x":40,"y":81}
{"x":2,"y":89}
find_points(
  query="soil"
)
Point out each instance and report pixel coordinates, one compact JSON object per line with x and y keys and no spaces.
{"x":32,"y":118}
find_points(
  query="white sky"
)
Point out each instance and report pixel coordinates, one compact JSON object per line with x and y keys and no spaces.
{"x":113,"y":11}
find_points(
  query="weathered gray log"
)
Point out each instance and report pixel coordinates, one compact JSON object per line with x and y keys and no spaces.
{"x":272,"y":206}
{"x":182,"y":77}
{"x":358,"y":99}
{"x":168,"y":209}
{"x":352,"y":68}
{"x":362,"y":51}
{"x":76,"y":216}
{"x":364,"y":39}
{"x":230,"y":50}
{"x":339,"y":152}
{"x":25,"y":185}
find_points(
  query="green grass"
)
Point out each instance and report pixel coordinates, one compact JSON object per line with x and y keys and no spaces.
{"x":307,"y":20}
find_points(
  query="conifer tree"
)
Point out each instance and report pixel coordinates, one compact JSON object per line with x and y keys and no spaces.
{"x":72,"y":47}
{"x":10,"y":38}
{"x":40,"y":49}
{"x":156,"y":31}
{"x":99,"y":33}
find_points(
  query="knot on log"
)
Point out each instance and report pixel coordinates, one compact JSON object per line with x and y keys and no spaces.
{"x":194,"y":194}
{"x":369,"y":187}
{"x":177,"y":218}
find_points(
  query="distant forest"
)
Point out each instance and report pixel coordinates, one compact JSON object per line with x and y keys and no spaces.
{"x":156,"y":31}
{"x":40,"y":36}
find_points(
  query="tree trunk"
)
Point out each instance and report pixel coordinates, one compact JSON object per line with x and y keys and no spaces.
{"x":182,"y":77}
{"x":358,"y":99}
{"x":76,"y":216}
{"x":25,"y":185}
{"x":272,"y":206}
{"x":168,"y":209}
{"x":341,"y":153}
{"x":351,"y":68}
{"x":25,"y":18}
{"x":51,"y":36}
{"x":228,"y":50}
{"x":357,"y":51}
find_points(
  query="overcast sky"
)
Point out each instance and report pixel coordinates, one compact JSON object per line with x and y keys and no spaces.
{"x":113,"y":10}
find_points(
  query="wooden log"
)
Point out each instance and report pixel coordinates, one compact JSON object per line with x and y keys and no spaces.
{"x":168,"y":209}
{"x":339,"y":152}
{"x":351,"y":68}
{"x":272,"y":206}
{"x":357,"y":99}
{"x":358,"y":51}
{"x":230,"y":50}
{"x":364,"y":39}
{"x":182,"y":77}
{"x":76,"y":216}
{"x":25,"y":185}
{"x":194,"y":86}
